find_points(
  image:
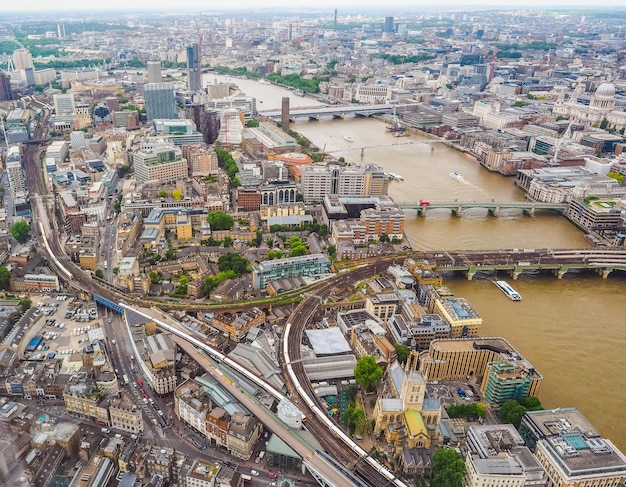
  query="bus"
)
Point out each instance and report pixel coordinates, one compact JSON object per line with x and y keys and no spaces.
{"x":139,"y":382}
{"x":125,"y":379}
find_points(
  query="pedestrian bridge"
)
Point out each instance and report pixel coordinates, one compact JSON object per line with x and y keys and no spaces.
{"x":493,"y":207}
{"x":332,"y":111}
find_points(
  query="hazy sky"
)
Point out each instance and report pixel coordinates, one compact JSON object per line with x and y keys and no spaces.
{"x":353,"y":5}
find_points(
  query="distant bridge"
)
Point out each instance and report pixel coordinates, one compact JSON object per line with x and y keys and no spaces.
{"x":493,"y":207}
{"x":332,"y":111}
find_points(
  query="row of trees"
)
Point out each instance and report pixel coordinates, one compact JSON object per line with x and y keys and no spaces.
{"x":220,"y":221}
{"x":228,"y":163}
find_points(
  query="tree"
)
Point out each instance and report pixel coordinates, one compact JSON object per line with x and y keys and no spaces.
{"x":100,"y":273}
{"x":604,"y":124}
{"x":384,"y":237}
{"x":25,"y":303}
{"x":252,"y":123}
{"x":368,"y":373}
{"x":116,"y":270}
{"x":298,"y":250}
{"x":20,"y":231}
{"x":402,"y":352}
{"x":162,"y":194}
{"x":448,"y":469}
{"x":220,"y":221}
{"x":5,"y":276}
{"x":511,"y":412}
{"x":332,"y":251}
{"x":177,"y":195}
{"x":233,"y":262}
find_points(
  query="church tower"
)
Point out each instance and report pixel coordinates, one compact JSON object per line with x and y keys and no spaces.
{"x":414,"y":384}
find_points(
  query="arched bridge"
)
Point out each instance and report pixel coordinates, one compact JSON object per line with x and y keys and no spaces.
{"x":333,"y":111}
{"x":494,"y":207}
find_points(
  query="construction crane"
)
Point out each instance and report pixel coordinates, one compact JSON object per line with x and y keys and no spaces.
{"x":559,"y":141}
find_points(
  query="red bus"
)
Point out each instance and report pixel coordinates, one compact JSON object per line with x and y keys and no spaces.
{"x":139,"y":383}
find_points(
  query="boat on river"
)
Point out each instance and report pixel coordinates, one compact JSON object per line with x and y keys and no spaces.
{"x":348,"y":138}
{"x":506,"y":288}
{"x":394,"y":176}
{"x":456,"y":175}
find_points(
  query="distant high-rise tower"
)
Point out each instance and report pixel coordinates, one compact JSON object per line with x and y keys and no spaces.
{"x":154,"y":72}
{"x":61,"y":31}
{"x":284,"y":115}
{"x":5,"y":88}
{"x":29,"y":76}
{"x":193,"y":68}
{"x":160,"y":101}
{"x":388,"y":25}
{"x":335,"y":18}
{"x":22,"y":59}
{"x":291,"y":32}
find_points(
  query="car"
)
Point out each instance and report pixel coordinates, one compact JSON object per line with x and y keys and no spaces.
{"x":254,"y":472}
{"x":273,"y":475}
{"x":145,"y":401}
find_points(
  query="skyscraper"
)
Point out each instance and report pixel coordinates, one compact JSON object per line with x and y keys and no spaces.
{"x":154,"y":72}
{"x":193,"y":68}
{"x":160,"y":101}
{"x":5,"y":88}
{"x":22,"y":59}
{"x":388,"y":25}
{"x":61,"y":31}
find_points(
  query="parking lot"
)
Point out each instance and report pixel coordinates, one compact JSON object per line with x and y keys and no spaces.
{"x":66,"y":326}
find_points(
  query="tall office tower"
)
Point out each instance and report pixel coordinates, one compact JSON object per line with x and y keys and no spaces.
{"x":284,"y":115}
{"x":160,"y":101}
{"x":29,"y":76}
{"x":335,"y":17}
{"x":388,"y":25}
{"x":5,"y":88}
{"x":154,"y":72}
{"x":193,"y":68}
{"x":61,"y":31}
{"x":64,"y":104}
{"x":22,"y":59}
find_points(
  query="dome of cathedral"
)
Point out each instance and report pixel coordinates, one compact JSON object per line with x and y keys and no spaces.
{"x":606,"y":90}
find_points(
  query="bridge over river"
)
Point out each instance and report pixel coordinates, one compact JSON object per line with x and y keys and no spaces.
{"x":493,"y":207}
{"x":517,"y":261}
{"x":334,"y":111}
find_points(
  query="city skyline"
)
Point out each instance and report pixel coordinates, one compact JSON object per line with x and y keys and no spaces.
{"x":118,"y":5}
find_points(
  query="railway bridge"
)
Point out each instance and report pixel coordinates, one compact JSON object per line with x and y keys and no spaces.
{"x":493,"y":207}
{"x":332,"y":111}
{"x":518,"y":261}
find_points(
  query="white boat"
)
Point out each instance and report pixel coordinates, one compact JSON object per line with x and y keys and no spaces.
{"x":264,"y":82}
{"x":393,"y":175}
{"x":348,"y":138}
{"x":508,"y":290}
{"x":456,"y":175}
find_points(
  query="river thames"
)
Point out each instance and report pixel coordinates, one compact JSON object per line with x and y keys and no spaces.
{"x":571,"y":330}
